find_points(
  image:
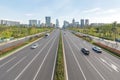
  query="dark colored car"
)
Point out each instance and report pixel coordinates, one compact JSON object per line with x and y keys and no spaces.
{"x":47,"y":34}
{"x":117,"y":40}
{"x":97,"y":49}
{"x":85,"y":51}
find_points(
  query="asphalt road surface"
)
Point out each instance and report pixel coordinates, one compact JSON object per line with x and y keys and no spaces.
{"x":96,"y":66}
{"x":32,"y":64}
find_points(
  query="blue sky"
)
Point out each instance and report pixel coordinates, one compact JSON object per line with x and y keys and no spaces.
{"x":94,"y":10}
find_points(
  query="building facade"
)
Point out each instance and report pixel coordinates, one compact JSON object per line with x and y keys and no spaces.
{"x":9,"y":23}
{"x":57,"y":23}
{"x":82,"y":23}
{"x":65,"y":24}
{"x":86,"y":22}
{"x":32,"y":22}
{"x":48,"y":21}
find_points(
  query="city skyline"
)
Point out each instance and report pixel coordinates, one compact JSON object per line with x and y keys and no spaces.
{"x":94,"y":10}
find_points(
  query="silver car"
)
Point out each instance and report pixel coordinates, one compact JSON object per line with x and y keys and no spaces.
{"x":34,"y":46}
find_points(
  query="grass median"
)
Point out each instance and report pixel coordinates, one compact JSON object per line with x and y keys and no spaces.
{"x":59,"y":72}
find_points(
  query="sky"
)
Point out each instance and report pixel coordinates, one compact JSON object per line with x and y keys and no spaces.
{"x":97,"y":11}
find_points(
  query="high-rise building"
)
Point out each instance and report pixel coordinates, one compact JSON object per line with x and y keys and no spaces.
{"x":77,"y":24}
{"x":38,"y":23}
{"x":57,"y":23}
{"x":32,"y":22}
{"x":9,"y":23}
{"x":73,"y":22}
{"x":48,"y":21}
{"x":66,"y":24}
{"x":86,"y":22}
{"x":82,"y":22}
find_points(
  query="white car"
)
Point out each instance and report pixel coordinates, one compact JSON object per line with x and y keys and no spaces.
{"x":34,"y":46}
{"x":97,"y":49}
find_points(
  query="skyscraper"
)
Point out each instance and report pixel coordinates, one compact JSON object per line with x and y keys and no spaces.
{"x":48,"y":21}
{"x":73,"y":22}
{"x":32,"y":22}
{"x":86,"y":22}
{"x":38,"y":23}
{"x":82,"y":22}
{"x":65,"y":24}
{"x":57,"y":23}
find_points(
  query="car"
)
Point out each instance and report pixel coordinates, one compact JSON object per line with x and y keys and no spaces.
{"x":47,"y":34}
{"x":85,"y":51}
{"x":97,"y":49}
{"x":117,"y":40}
{"x":34,"y":46}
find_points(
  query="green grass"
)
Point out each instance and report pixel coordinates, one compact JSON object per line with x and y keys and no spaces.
{"x":59,"y":72}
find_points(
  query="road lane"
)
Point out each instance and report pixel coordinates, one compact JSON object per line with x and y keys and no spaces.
{"x":102,"y":70}
{"x":28,"y":60}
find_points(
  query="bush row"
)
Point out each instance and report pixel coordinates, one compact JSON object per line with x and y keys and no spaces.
{"x":113,"y":50}
{"x":19,"y":44}
{"x":11,"y":48}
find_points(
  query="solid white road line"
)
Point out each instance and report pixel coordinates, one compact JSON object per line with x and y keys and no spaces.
{"x":65,"y":64}
{"x":33,"y":60}
{"x":53,"y":72}
{"x":88,"y":61}
{"x":16,"y":64}
{"x":43,"y":60}
{"x":77,"y":61}
{"x":7,"y":62}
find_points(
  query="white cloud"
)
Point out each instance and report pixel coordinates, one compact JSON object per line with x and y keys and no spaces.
{"x":29,"y":14}
{"x":108,"y":11}
{"x":92,"y":10}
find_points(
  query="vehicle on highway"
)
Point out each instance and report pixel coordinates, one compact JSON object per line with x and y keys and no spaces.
{"x":34,"y":46}
{"x":47,"y":34}
{"x":97,"y":49}
{"x":85,"y":51}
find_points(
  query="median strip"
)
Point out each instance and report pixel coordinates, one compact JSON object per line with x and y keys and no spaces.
{"x":59,"y":72}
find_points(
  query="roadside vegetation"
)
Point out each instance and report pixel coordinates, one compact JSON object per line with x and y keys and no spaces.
{"x":8,"y":33}
{"x":59,"y":72}
{"x":11,"y":32}
{"x":110,"y":50}
{"x":107,"y":31}
{"x":9,"y":50}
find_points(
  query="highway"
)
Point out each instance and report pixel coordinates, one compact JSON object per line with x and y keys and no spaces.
{"x":32,"y":64}
{"x":96,"y":66}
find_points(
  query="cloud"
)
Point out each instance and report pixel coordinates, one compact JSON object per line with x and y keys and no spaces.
{"x":108,"y":11}
{"x":92,"y":10}
{"x":28,"y":14}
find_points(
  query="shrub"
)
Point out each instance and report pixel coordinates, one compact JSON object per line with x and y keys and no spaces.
{"x":113,"y":50}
